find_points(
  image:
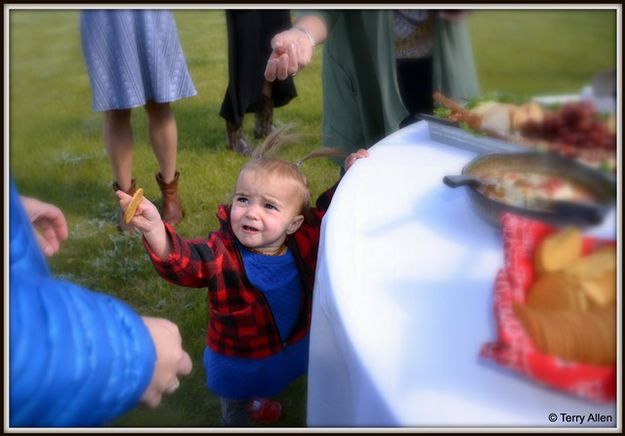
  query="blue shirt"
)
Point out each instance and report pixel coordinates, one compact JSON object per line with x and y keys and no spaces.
{"x":235,"y":377}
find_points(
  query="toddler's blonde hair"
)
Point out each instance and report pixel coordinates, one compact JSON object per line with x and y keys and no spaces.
{"x":265,"y":163}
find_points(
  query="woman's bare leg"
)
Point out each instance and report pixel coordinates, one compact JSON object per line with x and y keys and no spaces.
{"x":163,"y":137}
{"x":118,"y":142}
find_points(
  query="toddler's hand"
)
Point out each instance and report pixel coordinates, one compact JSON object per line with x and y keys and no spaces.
{"x":146,"y":217}
{"x":353,"y":157}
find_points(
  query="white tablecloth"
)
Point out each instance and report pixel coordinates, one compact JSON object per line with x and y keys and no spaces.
{"x":403,"y":303}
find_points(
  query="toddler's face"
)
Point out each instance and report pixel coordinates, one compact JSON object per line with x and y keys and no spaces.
{"x":264,"y":210}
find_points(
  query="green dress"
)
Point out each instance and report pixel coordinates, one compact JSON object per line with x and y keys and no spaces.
{"x":361,"y":101}
{"x":453,"y":68}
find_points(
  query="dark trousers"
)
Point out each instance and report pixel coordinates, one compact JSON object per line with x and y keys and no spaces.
{"x":414,"y":77}
{"x":234,"y":413}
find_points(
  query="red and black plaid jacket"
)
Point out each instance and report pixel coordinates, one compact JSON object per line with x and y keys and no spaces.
{"x":240,"y":320}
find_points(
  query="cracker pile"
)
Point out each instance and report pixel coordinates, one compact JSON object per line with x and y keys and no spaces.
{"x":570,"y":310}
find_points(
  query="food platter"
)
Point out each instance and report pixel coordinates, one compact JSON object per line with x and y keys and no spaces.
{"x":573,"y":129}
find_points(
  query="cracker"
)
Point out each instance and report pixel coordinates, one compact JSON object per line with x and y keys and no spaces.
{"x":555,"y":331}
{"x":556,"y":291}
{"x":601,"y":291}
{"x":129,"y":214}
{"x":595,"y":275}
{"x":594,"y":264}
{"x":605,"y":335}
{"x":558,"y":250}
{"x":585,"y":337}
{"x":531,"y":321}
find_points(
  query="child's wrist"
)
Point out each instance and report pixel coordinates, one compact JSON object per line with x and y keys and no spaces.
{"x":155,"y":232}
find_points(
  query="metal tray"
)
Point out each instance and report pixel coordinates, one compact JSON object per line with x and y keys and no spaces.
{"x":448,"y":132}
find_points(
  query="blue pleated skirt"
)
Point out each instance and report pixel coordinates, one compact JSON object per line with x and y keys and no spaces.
{"x":133,"y":56}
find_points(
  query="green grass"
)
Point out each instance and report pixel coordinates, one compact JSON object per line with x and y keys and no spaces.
{"x":56,"y":152}
{"x":542,"y":52}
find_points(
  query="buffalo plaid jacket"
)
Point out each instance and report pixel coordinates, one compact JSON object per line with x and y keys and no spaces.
{"x":240,"y":319}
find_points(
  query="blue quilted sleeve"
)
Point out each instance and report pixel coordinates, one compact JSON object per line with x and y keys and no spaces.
{"x":76,"y":357}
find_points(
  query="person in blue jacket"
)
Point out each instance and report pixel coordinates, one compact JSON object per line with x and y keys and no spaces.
{"x":76,"y":357}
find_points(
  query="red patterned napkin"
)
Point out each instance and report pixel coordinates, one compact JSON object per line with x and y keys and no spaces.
{"x":514,"y":348}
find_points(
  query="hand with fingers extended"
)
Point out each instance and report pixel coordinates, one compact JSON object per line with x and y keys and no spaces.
{"x":353,"y":157}
{"x":171,"y":360}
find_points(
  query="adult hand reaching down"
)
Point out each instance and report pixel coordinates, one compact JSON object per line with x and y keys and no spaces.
{"x":292,"y":49}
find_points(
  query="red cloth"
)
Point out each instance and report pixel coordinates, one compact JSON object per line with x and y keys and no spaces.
{"x":514,"y":348}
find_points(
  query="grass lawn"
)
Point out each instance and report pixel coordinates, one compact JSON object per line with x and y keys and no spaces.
{"x":56,"y":152}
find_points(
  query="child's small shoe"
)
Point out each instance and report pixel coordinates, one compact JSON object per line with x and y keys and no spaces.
{"x":264,"y":410}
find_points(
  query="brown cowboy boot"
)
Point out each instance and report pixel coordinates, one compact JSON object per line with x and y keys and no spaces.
{"x":131,"y":191}
{"x":236,"y":141}
{"x":264,"y":118}
{"x":172,"y":211}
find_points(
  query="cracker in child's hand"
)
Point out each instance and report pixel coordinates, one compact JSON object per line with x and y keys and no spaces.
{"x":132,"y":207}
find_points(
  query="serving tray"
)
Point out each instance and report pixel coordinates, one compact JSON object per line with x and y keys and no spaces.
{"x":448,"y":132}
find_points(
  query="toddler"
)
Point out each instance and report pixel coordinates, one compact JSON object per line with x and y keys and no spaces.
{"x":259,"y":269}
